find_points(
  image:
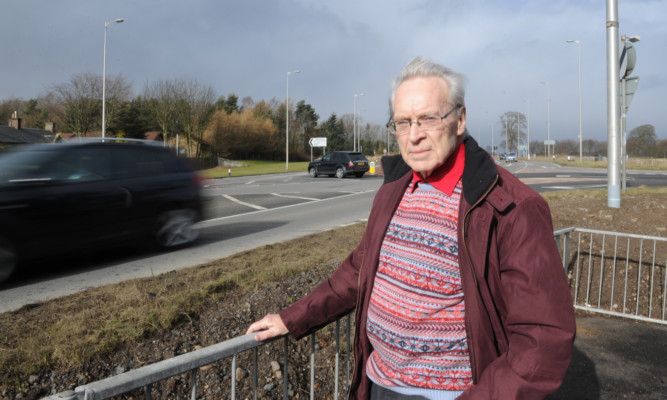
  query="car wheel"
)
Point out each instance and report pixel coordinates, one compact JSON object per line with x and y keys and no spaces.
{"x":313,"y":172}
{"x":7,"y":259}
{"x":175,"y":228}
{"x":340,"y":173}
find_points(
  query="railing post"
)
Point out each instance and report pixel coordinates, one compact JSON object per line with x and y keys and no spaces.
{"x":256,"y":373}
{"x":193,"y":389}
{"x":285,"y":361}
{"x":233,"y":377}
{"x":337,"y":359}
{"x":312,"y":366}
{"x":566,"y":250}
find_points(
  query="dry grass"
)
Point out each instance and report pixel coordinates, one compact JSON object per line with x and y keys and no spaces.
{"x":76,"y":328}
{"x":634,"y":163}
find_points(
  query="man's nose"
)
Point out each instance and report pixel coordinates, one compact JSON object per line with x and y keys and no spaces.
{"x":415,"y":132}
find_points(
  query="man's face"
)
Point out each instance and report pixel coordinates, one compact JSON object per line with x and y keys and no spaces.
{"x":424,"y":151}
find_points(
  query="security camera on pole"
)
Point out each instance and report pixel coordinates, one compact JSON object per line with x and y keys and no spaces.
{"x":628,"y":88}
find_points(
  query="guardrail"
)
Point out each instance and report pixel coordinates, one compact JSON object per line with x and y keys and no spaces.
{"x":619,"y":274}
{"x":191,"y":364}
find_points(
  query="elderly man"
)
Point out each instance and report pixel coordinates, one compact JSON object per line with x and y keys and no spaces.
{"x":457,"y":282}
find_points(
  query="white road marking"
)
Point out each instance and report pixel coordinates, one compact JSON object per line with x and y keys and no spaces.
{"x":573,"y":187}
{"x":294,"y":197}
{"x":256,"y":207}
{"x":559,"y":187}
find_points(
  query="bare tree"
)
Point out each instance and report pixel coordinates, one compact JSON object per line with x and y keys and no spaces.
{"x":82,"y":99}
{"x":195,"y":104}
{"x":161,"y":99}
{"x":512,"y":123}
{"x":118,"y":91}
{"x":9,"y":106}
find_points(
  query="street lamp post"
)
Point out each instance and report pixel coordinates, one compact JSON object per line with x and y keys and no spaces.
{"x":354,"y":122}
{"x":518,"y":135}
{"x":581,"y":145}
{"x":548,"y":118}
{"x":287,"y":121}
{"x":528,"y":127}
{"x":104,"y":75}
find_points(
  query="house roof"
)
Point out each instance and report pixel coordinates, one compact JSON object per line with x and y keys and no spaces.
{"x":154,"y":136}
{"x":9,"y":135}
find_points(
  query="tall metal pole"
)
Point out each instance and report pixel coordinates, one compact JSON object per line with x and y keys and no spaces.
{"x":507,"y":137}
{"x":287,"y":121}
{"x":581,"y":146}
{"x":518,"y":134}
{"x":354,"y":123}
{"x":104,"y":76}
{"x":613,"y":109}
{"x":528,"y":126}
{"x":548,"y":118}
{"x":493,"y":149}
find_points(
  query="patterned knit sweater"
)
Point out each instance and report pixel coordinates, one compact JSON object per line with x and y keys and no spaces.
{"x":416,"y":312}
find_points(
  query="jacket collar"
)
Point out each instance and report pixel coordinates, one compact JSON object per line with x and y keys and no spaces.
{"x":479,"y":173}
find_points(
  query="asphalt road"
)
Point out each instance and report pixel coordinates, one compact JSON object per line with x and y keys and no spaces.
{"x":242,"y":214}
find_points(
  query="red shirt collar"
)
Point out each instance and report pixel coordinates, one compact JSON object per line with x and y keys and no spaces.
{"x":447,"y":175}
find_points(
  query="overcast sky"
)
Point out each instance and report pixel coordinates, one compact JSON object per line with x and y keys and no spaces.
{"x":347,"y":47}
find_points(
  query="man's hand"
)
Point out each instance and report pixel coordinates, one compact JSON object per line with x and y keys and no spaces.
{"x":270,"y":326}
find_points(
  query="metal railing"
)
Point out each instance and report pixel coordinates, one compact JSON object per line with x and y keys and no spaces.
{"x":612,"y":273}
{"x":191,"y":364}
{"x":619,"y":274}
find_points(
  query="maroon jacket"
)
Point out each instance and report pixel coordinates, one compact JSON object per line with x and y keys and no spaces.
{"x":519,"y":316}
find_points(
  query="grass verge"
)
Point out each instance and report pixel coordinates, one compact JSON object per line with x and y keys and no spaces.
{"x":634,"y":163}
{"x":254,"y":167}
{"x":74,"y":329}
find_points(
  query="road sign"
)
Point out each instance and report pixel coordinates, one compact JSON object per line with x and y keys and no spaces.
{"x":318,"y":142}
{"x":630,"y":88}
{"x":549,"y":142}
{"x":628,"y":59}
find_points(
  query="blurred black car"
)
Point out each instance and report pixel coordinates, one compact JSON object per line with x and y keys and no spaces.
{"x":56,"y":198}
{"x":339,"y":164}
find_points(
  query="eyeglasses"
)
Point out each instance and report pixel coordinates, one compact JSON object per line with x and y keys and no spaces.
{"x":425,"y":122}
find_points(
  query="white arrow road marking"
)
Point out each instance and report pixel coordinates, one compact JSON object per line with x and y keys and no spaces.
{"x":256,"y":207}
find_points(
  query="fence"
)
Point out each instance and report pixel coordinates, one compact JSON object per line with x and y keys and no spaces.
{"x":195,"y":363}
{"x":611,"y":273}
{"x":616,"y":274}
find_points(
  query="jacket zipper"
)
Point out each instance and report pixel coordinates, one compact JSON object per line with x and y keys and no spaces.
{"x":473,"y":367}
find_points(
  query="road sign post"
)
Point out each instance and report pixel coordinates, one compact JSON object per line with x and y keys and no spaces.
{"x":316,"y":142}
{"x":628,"y":87}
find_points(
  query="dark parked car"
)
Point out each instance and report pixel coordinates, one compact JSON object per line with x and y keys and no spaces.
{"x":56,"y":198}
{"x":339,"y":164}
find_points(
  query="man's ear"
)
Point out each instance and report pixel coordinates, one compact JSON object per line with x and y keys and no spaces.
{"x":461,"y":123}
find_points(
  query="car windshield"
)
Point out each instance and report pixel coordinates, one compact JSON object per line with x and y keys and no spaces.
{"x":22,"y":165}
{"x":357,"y":157}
